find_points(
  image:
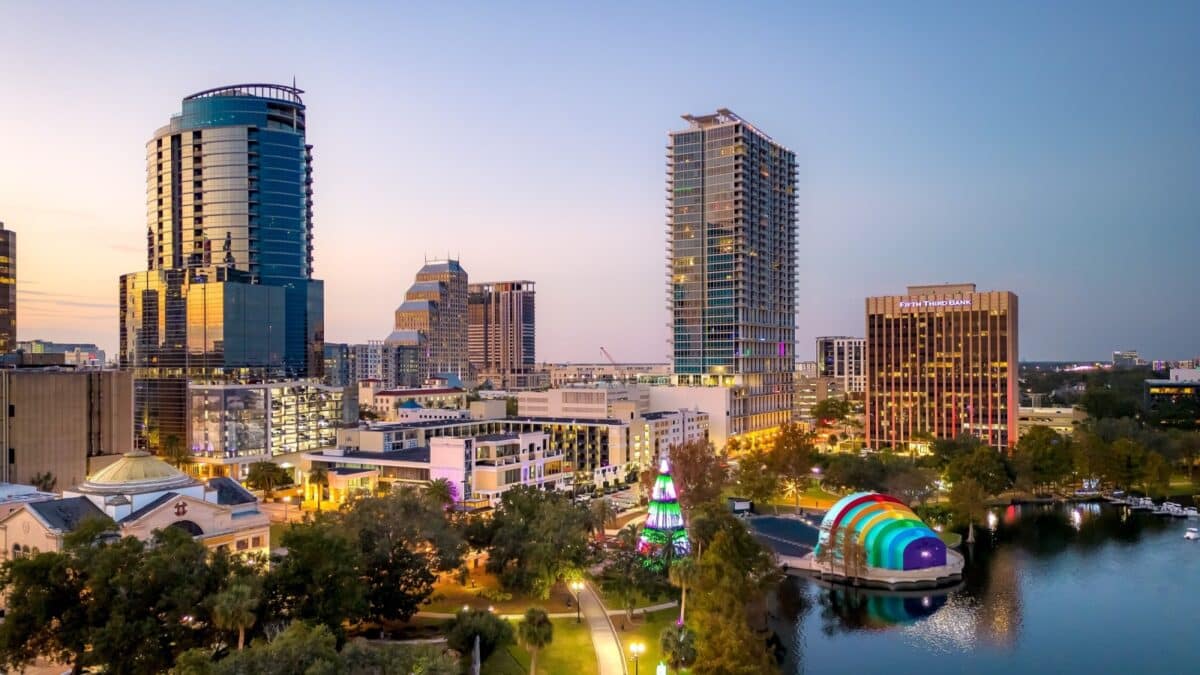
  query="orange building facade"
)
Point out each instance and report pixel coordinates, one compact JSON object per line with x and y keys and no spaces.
{"x":941,"y":361}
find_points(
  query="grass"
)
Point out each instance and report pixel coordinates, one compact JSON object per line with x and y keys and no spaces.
{"x":647,"y":631}
{"x":449,"y":596}
{"x":951,"y":539}
{"x":570,"y":652}
{"x":277,"y":530}
{"x":815,"y":497}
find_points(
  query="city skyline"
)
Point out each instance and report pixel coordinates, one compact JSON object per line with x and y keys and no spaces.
{"x":1054,"y":161}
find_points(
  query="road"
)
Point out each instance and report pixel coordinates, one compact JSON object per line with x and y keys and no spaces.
{"x":609,"y":656}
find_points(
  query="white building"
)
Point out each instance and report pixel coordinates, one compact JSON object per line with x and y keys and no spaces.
{"x":844,"y":358}
{"x":717,"y":402}
{"x":583,"y":402}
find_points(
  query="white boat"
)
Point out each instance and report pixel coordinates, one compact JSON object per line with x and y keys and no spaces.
{"x":1191,"y":512}
{"x":1192,"y":533}
{"x":1141,"y":504}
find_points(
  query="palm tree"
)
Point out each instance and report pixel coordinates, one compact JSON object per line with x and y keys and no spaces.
{"x":319,"y":476}
{"x":441,"y":491}
{"x":44,"y":481}
{"x":683,"y":573}
{"x":678,"y":646}
{"x":175,"y":452}
{"x":233,"y":609}
{"x":535,"y":632}
{"x":266,"y":476}
{"x":603,"y":515}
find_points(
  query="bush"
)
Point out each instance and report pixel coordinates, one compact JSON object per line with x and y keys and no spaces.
{"x":492,"y":631}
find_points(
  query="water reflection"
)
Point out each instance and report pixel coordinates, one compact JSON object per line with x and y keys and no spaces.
{"x":1022,"y":546}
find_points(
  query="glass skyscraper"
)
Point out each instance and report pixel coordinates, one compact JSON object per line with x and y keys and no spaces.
{"x":731,"y":236}
{"x":228,"y":294}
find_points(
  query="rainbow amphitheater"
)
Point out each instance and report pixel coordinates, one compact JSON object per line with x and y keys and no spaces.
{"x":900,"y":549}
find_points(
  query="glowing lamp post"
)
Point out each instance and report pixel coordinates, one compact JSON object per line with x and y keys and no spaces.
{"x":287,"y":502}
{"x":576,"y":588}
{"x":637,"y":649}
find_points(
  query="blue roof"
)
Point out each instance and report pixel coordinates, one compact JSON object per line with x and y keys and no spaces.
{"x":162,"y":499}
{"x":411,"y":405}
{"x":441,"y":266}
{"x":65,"y":515}
{"x":230,"y":492}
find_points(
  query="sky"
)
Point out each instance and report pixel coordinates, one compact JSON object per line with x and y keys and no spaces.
{"x":1049,"y":150}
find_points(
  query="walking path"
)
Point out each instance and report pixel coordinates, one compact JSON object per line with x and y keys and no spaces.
{"x":609,"y":656}
{"x":561,"y":615}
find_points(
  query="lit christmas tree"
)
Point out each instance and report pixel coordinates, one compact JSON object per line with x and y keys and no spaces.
{"x":663,"y":536}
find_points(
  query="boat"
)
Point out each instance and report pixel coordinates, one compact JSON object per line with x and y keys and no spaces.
{"x":1191,"y":512}
{"x":1118,"y":497}
{"x":1141,"y":504}
{"x":1170,"y":509}
{"x":1192,"y":533}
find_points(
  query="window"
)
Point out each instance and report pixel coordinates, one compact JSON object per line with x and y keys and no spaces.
{"x":243,"y":544}
{"x":256,"y":542}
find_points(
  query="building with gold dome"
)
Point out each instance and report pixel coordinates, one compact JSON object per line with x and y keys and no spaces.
{"x":141,"y":494}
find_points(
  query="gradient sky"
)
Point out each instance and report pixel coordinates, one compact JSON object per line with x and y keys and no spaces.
{"x":1052,"y":151}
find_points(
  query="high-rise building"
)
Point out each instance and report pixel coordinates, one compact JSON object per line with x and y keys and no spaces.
{"x":843,"y":358}
{"x":63,"y":423}
{"x":501,"y":337}
{"x":228,"y":294}
{"x":338,"y":369}
{"x":942,"y":360}
{"x":8,"y":290}
{"x":436,"y":305}
{"x":731,"y":287}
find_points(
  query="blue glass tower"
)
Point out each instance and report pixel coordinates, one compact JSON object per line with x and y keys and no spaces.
{"x":228,"y":293}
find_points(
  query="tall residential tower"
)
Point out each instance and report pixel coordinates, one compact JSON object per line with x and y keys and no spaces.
{"x":502,"y":333}
{"x":228,"y":294}
{"x":731,"y":240}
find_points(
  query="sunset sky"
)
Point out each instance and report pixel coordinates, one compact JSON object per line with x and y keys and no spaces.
{"x":1051,"y":151}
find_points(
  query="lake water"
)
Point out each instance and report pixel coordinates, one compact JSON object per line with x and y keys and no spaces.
{"x":1047,"y":589}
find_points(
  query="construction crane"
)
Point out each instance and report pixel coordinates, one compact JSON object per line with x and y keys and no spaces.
{"x":608,"y":356}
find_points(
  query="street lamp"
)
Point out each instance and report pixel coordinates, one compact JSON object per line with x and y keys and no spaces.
{"x":637,"y":649}
{"x":287,"y":502}
{"x":576,"y":587}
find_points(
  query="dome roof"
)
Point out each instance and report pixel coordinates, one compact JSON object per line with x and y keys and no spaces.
{"x":135,"y":473}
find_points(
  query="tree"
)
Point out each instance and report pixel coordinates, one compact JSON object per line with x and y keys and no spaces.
{"x":1156,"y":474}
{"x":698,"y":473}
{"x":320,"y":579}
{"x":1102,"y":403}
{"x":968,"y":501}
{"x":535,"y":538}
{"x":683,"y":573}
{"x":603,"y":515}
{"x":946,"y":450}
{"x":626,"y":576}
{"x":756,"y":478}
{"x":318,"y":475}
{"x":985,"y":466}
{"x":491,"y":630}
{"x":734,"y":571}
{"x":233,"y":609}
{"x":792,"y":458}
{"x":301,"y":648}
{"x":678,"y":646}
{"x":267,"y":476}
{"x":43,"y":614}
{"x":535,"y":632}
{"x":1187,"y":449}
{"x":831,"y":411}
{"x":175,"y":453}
{"x":403,"y":539}
{"x":441,"y":492}
{"x":1042,"y":458}
{"x":910,"y":483}
{"x":44,"y":481}
{"x":1125,"y":463}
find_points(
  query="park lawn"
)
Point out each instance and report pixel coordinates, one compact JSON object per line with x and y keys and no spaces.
{"x":814,"y":497}
{"x":571,"y":652}
{"x":277,"y":530}
{"x":612,"y":603}
{"x":449,"y":596}
{"x":647,"y":629}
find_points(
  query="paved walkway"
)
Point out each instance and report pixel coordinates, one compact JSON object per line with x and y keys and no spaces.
{"x":561,"y":615}
{"x":609,"y":656}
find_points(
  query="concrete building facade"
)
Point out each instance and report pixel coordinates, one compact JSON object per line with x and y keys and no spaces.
{"x":63,"y":423}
